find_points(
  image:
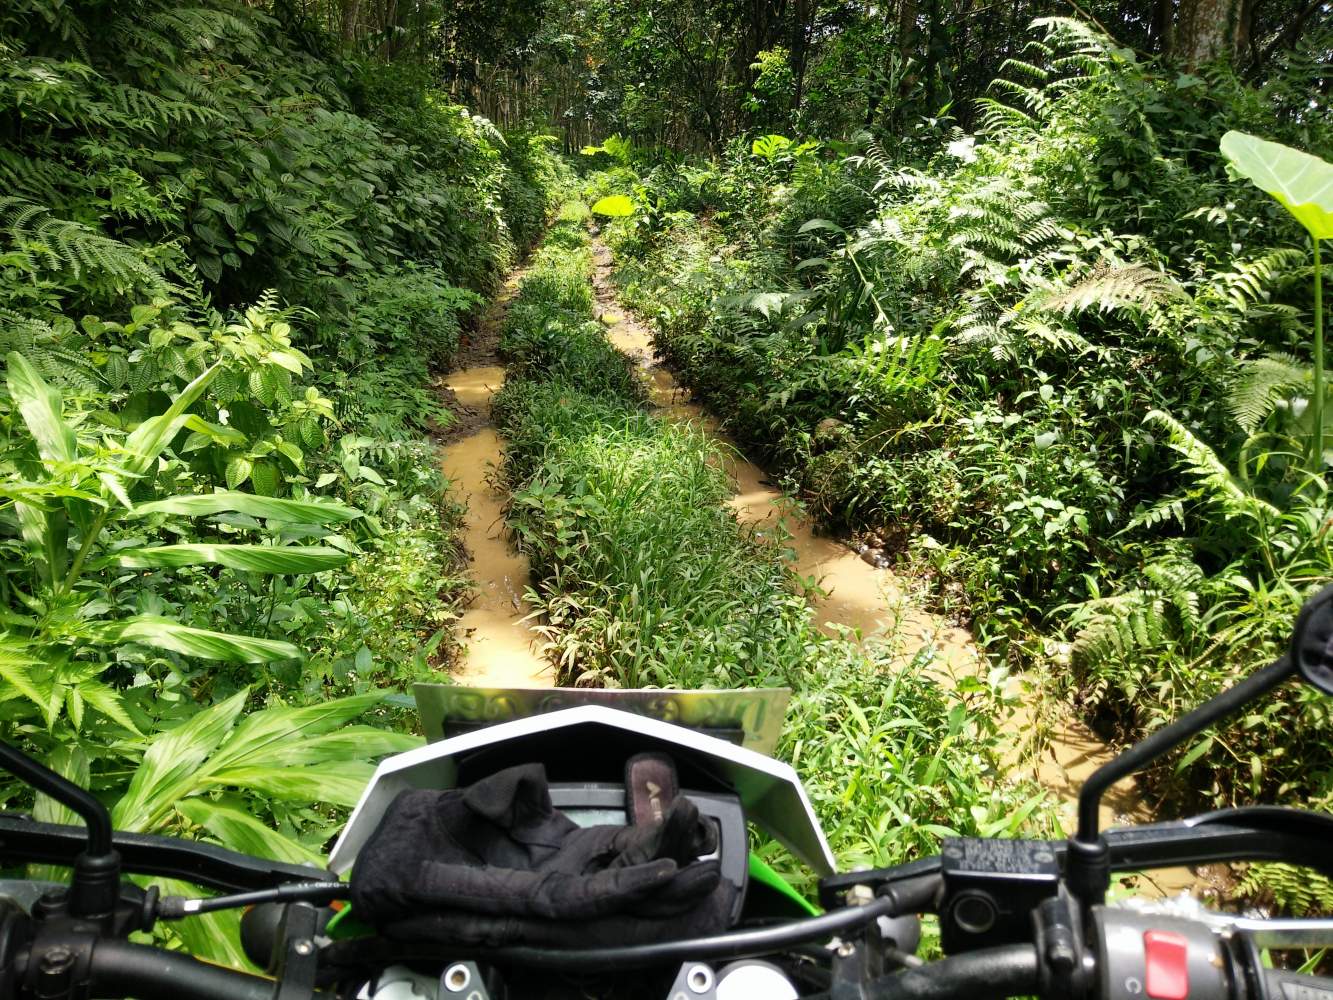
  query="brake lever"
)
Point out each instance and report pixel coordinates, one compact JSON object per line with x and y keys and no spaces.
{"x":1248,"y":833}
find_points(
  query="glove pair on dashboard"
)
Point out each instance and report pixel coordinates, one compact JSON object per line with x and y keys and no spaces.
{"x":496,"y":863}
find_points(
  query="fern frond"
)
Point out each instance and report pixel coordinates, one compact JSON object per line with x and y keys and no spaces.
{"x":1261,"y":384}
{"x":37,"y":178}
{"x":1251,"y":280}
{"x":65,"y":245}
{"x":1219,"y":485}
{"x":1165,"y":605}
{"x":1296,"y":891}
{"x":999,"y":119}
{"x":1109,"y":287}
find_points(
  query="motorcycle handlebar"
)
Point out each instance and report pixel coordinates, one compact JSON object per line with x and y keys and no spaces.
{"x":120,"y":969}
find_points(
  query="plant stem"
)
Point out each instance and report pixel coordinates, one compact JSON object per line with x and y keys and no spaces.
{"x":1317,"y":410}
{"x":77,"y":567}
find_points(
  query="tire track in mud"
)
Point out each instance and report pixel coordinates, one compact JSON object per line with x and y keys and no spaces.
{"x":499,"y":647}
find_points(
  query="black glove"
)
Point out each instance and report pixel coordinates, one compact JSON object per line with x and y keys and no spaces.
{"x":496,"y":863}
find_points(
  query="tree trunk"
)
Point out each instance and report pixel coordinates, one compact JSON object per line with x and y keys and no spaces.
{"x":802,"y":18}
{"x":1206,"y":30}
{"x":1160,"y":32}
{"x":351,"y":14}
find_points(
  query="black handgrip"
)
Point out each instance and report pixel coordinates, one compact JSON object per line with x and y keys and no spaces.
{"x":1011,"y":971}
{"x":119,"y":969}
{"x":1282,"y":985}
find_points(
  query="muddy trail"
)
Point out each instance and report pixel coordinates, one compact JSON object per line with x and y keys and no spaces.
{"x":854,"y":592}
{"x":499,"y":647}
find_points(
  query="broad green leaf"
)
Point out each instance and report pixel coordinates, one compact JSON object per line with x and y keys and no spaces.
{"x":214,"y":432}
{"x":241,"y":832}
{"x":35,"y":493}
{"x":169,"y":771}
{"x":16,"y":663}
{"x":265,"y":478}
{"x":154,"y":434}
{"x":293,"y":361}
{"x":262,"y":734}
{"x":250,"y":558}
{"x":68,"y":762}
{"x":1301,"y":182}
{"x":41,"y":407}
{"x":814,"y":224}
{"x":615,"y":206}
{"x":347,"y":743}
{"x":238,"y":471}
{"x":341,"y":786}
{"x":769,"y":146}
{"x":270,"y":508}
{"x":163,"y":633}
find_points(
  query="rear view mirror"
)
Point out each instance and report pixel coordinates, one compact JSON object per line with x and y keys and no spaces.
{"x":1312,"y":641}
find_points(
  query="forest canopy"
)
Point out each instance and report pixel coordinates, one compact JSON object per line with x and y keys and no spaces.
{"x":688,"y":74}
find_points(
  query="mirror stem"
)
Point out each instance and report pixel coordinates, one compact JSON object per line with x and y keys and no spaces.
{"x":1087,"y":862}
{"x":95,"y":887}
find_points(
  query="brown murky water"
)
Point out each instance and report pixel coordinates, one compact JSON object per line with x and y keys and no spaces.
{"x":500,"y":647}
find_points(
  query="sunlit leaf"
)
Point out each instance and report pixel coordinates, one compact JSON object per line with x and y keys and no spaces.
{"x":1301,"y":182}
{"x":250,"y":558}
{"x":16,"y":663}
{"x":153,"y":435}
{"x":614,"y":206}
{"x":41,"y":407}
{"x":169,"y":769}
{"x":163,"y":633}
{"x":341,"y":786}
{"x":240,"y":832}
{"x":271,"y":508}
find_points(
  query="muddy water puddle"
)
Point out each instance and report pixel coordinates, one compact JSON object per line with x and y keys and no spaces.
{"x":872,"y":601}
{"x":499,"y":645}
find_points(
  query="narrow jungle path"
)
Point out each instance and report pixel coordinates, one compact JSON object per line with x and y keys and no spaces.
{"x":498,"y":643}
{"x":859,"y":595}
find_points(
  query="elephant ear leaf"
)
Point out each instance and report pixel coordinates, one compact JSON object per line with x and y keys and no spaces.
{"x":1301,"y":182}
{"x":615,"y":206}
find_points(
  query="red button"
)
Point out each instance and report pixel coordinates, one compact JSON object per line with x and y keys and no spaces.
{"x":1166,"y":955}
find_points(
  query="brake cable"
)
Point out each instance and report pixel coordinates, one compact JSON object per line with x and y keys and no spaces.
{"x":179,"y":907}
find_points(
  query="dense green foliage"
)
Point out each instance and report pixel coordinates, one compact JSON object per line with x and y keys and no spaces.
{"x":1033,"y":334}
{"x":675,"y":75}
{"x":1063,"y":362}
{"x":229,"y":265}
{"x":644,"y":576}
